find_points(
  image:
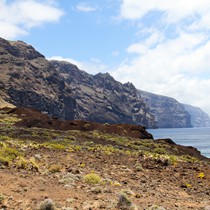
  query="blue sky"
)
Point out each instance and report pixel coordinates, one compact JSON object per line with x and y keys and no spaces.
{"x":160,"y":46}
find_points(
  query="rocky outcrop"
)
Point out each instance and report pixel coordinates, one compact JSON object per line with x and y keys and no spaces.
{"x":198,"y":117}
{"x":33,"y":118}
{"x":101,"y":98}
{"x":168,"y":112}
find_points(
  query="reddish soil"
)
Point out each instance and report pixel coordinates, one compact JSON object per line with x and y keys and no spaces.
{"x":34,"y":118}
{"x":147,"y":182}
{"x":172,"y":187}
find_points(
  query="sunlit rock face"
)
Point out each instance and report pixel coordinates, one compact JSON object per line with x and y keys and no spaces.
{"x":168,"y":112}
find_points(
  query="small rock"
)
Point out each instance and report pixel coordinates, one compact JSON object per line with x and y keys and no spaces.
{"x":128,"y":192}
{"x":73,"y":170}
{"x":124,"y":203}
{"x":138,"y":196}
{"x":139,"y":167}
{"x":70,"y":200}
{"x":69,"y":179}
{"x":38,"y":156}
{"x":96,"y":190}
{"x":46,"y":205}
{"x":166,"y":162}
{"x":3,"y":207}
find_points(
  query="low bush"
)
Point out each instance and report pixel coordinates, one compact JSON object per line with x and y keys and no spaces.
{"x":92,"y":178}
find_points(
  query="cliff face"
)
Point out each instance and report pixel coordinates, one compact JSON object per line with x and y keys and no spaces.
{"x":62,"y":90}
{"x":168,"y":112}
{"x":66,"y":92}
{"x":198,"y":117}
{"x":29,"y":80}
{"x":102,"y":99}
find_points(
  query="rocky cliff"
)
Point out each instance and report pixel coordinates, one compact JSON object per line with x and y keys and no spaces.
{"x":198,"y":117}
{"x":102,"y":99}
{"x":168,"y":112}
{"x":29,"y":80}
{"x":64,"y":91}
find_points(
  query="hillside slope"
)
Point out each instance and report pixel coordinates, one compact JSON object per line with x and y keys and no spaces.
{"x":89,"y":168}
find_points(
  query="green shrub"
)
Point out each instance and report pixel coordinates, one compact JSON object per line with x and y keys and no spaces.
{"x":160,"y":150}
{"x":92,"y":178}
{"x":54,"y":145}
{"x":9,"y":153}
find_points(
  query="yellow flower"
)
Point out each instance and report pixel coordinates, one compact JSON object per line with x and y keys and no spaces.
{"x":201,"y":175}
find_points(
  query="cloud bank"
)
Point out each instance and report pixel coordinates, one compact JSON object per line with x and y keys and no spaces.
{"x":172,"y":49}
{"x":19,"y":16}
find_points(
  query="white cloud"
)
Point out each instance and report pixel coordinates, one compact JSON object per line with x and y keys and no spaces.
{"x":85,"y":7}
{"x":179,"y":68}
{"x":173,"y":11}
{"x":10,"y":31}
{"x":93,"y":66}
{"x":19,"y":16}
{"x":173,"y":50}
{"x":152,"y":41}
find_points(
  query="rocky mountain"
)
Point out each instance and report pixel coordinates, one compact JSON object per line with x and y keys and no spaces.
{"x":198,"y":117}
{"x":102,"y":99}
{"x":168,"y":112}
{"x":64,"y":91}
{"x":29,"y":80}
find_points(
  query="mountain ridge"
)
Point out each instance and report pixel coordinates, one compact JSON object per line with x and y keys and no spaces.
{"x":62,"y":90}
{"x":110,"y":100}
{"x":29,"y":80}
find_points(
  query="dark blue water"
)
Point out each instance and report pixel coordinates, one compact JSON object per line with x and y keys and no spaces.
{"x":196,"y":137}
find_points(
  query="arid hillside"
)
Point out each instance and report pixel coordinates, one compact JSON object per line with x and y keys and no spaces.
{"x":50,"y":164}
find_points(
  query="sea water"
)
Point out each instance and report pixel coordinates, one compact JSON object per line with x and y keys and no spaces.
{"x":196,"y":137}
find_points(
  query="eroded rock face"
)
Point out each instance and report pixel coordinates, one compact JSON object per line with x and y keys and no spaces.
{"x":62,"y":90}
{"x":102,"y":99}
{"x":168,"y":112}
{"x":29,"y":80}
{"x":198,"y":117}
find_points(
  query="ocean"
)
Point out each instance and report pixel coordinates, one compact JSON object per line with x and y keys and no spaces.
{"x":196,"y":137}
